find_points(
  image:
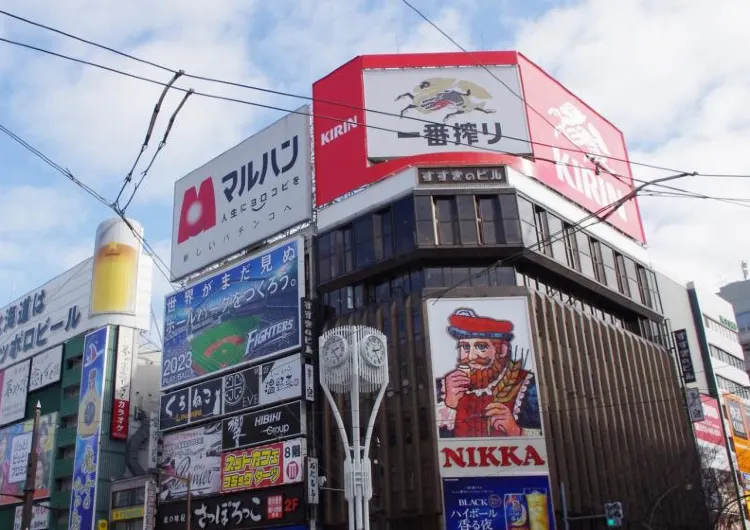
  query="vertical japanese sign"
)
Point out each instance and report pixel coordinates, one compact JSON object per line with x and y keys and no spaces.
{"x":740,"y":436}
{"x":498,"y":503}
{"x":683,"y":355}
{"x":149,"y":511}
{"x":114,"y":276}
{"x":249,"y":193}
{"x":126,"y":340}
{"x":13,"y":391}
{"x":485,"y":384}
{"x":86,"y":463}
{"x":238,"y":316}
{"x":15,"y":444}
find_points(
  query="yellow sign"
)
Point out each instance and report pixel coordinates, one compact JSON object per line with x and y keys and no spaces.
{"x":102,"y":525}
{"x":115,"y":275}
{"x":121,"y":514}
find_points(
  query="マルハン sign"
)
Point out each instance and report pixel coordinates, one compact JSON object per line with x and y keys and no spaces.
{"x":255,"y":190}
{"x":238,"y":316}
{"x":238,"y":511}
{"x":263,"y":426}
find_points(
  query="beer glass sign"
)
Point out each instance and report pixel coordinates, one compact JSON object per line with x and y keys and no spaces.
{"x":114,"y":282}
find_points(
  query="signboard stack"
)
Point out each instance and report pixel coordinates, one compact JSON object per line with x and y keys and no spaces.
{"x":236,"y":374}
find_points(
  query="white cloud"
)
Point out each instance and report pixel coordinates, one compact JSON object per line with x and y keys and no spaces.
{"x":670,"y":76}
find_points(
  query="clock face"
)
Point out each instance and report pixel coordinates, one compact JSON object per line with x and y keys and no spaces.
{"x":374,"y":351}
{"x":335,"y":351}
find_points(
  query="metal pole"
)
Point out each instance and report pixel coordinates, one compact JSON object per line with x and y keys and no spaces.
{"x":30,"y":485}
{"x":658,"y":502}
{"x":189,"y":494}
{"x":564,"y":501}
{"x":357,"y":448}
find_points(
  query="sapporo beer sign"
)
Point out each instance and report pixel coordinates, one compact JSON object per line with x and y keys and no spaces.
{"x":263,"y":426}
{"x":263,"y":466}
{"x":238,"y":511}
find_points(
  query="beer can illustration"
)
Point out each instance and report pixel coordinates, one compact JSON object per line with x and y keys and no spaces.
{"x":114,"y":282}
{"x":516,"y":512}
{"x":537,"y":502}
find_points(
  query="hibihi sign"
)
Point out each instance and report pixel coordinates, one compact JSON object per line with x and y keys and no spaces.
{"x":487,"y":108}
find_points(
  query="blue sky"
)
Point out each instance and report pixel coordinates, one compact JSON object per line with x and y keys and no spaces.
{"x":667,"y":73}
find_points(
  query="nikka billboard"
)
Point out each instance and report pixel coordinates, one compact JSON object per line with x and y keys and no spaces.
{"x":444,"y":109}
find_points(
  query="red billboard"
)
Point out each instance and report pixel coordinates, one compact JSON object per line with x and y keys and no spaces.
{"x":435,"y":113}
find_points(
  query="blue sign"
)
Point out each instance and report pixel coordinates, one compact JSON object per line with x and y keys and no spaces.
{"x":86,"y":463}
{"x":235,"y":317}
{"x":498,"y":503}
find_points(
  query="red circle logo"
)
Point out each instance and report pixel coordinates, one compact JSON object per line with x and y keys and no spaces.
{"x":292,"y":470}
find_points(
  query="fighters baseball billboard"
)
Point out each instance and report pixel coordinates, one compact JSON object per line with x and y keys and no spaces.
{"x":245,"y":195}
{"x":235,"y":317}
{"x":486,"y":396}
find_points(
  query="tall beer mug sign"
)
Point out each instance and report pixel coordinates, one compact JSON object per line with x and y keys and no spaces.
{"x":114,"y":282}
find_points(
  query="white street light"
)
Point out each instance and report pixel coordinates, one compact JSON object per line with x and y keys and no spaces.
{"x":354,"y":359}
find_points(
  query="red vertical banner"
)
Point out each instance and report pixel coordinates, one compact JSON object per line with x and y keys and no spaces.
{"x":120,"y":416}
{"x":126,"y":344}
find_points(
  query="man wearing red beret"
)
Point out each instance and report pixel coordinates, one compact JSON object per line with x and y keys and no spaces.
{"x":491,"y":393}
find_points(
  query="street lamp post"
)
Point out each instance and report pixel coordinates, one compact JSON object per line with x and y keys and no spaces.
{"x":188,"y":482}
{"x":354,"y":360}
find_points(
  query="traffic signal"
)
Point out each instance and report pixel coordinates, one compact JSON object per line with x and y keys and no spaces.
{"x":613,"y":513}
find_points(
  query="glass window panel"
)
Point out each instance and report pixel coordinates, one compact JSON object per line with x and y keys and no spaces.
{"x":608,"y":257}
{"x":479,"y":276}
{"x":460,"y":275}
{"x":324,"y":270}
{"x":363,"y":229}
{"x":425,"y":233}
{"x":435,"y":277}
{"x":610,"y":276}
{"x":529,"y":235}
{"x":505,"y":276}
{"x":365,"y":254}
{"x":416,"y":279}
{"x":446,"y":233}
{"x":468,"y":232}
{"x":445,"y":209}
{"x":423,"y":206}
{"x":512,"y":231}
{"x":324,"y":245}
{"x":466,"y":207}
{"x":525,"y":210}
{"x":488,"y":208}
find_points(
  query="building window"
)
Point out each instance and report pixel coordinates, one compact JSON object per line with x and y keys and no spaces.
{"x":556,"y":238}
{"x":716,"y":326}
{"x":446,"y":221}
{"x":324,"y":257}
{"x":726,"y":357}
{"x":542,"y":231}
{"x":383,"y":235}
{"x":425,"y":220}
{"x":571,"y":247}
{"x":404,"y":232}
{"x":467,"y":219}
{"x":528,"y":223}
{"x":364,"y":251}
{"x":489,"y":216}
{"x":584,"y":254}
{"x":128,"y":497}
{"x":596,"y":260}
{"x":732,"y":387}
{"x":622,"y":275}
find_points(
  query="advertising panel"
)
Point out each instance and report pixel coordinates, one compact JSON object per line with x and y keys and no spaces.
{"x":174,"y":409}
{"x":86,"y":463}
{"x":39,"y":517}
{"x":684,"y":356}
{"x":240,"y":315}
{"x":456,"y":110}
{"x":238,"y":511}
{"x":15,"y":445}
{"x":194,"y":453}
{"x":14,"y":386}
{"x":126,"y":341}
{"x":483,"y":364}
{"x":709,"y":434}
{"x":205,"y":400}
{"x":242,"y":390}
{"x":59,"y":310}
{"x":255,"y":190}
{"x":498,"y":503}
{"x":736,"y":416}
{"x":45,"y":368}
{"x":564,"y":131}
{"x":263,"y":426}
{"x":489,"y":458}
{"x":114,"y":279}
{"x":264,"y":466}
{"x":149,"y":509}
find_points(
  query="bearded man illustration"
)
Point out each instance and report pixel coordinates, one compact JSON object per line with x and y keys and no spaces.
{"x":490,"y":393}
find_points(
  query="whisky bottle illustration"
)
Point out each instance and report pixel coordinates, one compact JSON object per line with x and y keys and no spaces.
{"x":89,"y":409}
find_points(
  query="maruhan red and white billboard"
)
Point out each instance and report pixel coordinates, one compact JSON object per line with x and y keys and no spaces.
{"x":379,"y":114}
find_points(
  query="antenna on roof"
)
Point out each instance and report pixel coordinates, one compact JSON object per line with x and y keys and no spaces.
{"x":743,"y":264}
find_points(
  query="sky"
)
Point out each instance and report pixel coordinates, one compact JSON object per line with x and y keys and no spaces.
{"x":669,"y":74}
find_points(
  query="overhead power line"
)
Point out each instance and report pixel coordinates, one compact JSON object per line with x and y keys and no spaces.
{"x":154,"y":64}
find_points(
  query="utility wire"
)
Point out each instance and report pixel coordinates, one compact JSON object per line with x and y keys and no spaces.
{"x":576,"y":148}
{"x":271,"y":107}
